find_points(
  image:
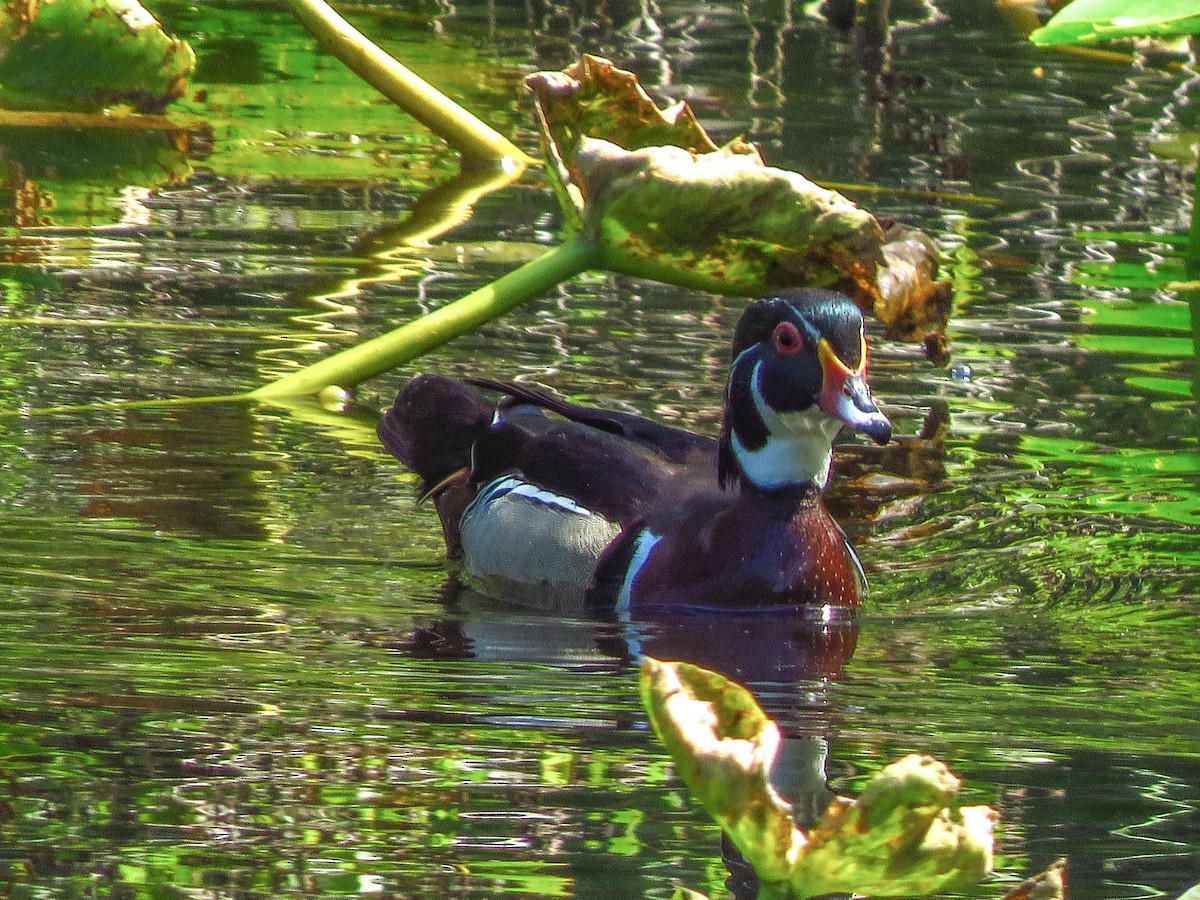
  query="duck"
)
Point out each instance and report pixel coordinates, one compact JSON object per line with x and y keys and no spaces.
{"x":550,"y":502}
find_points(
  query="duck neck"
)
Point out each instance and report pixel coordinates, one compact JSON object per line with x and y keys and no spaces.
{"x":769,"y":450}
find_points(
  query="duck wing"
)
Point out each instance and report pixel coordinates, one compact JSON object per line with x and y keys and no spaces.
{"x":603,"y":472}
{"x":457,"y":441}
{"x":675,"y":445}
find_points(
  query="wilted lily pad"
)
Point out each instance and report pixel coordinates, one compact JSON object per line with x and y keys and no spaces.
{"x":662,"y":201}
{"x":723,"y":744}
{"x":87,"y":54}
{"x":594,"y":98}
{"x":903,"y":836}
{"x":722,"y":221}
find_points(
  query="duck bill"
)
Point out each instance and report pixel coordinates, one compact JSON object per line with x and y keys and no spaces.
{"x":845,"y":395}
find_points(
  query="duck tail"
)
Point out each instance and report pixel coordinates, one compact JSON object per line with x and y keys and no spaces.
{"x":432,"y":426}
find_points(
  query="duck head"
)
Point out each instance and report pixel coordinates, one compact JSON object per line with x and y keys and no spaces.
{"x":799,"y":375}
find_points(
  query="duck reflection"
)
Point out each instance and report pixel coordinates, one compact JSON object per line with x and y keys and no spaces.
{"x":787,"y":655}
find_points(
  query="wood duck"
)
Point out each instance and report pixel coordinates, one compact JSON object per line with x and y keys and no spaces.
{"x":545,"y":500}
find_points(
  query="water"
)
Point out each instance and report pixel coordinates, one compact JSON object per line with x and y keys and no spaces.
{"x":234,"y":664}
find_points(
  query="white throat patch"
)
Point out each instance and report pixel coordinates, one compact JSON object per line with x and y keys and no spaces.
{"x":799,"y":446}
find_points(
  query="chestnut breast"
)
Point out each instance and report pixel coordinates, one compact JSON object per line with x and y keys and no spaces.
{"x":745,"y":549}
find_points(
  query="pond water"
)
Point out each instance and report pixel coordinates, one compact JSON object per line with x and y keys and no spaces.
{"x":234,"y":664}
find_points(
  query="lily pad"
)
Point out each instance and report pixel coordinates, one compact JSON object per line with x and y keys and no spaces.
{"x":723,"y":745}
{"x":723,"y":222}
{"x":902,"y":836}
{"x":88,"y":54}
{"x":1092,"y":21}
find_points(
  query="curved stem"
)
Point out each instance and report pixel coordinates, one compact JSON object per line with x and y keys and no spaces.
{"x":409,"y":341}
{"x":433,"y":109}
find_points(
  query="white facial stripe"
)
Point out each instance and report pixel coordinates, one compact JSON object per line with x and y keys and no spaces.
{"x":799,"y":446}
{"x":642,"y":545}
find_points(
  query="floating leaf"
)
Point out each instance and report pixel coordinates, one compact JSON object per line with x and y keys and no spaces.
{"x":900,"y":837}
{"x":1091,"y":21}
{"x":87,"y":54}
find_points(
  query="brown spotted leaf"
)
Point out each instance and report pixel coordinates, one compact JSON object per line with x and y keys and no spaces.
{"x":723,"y":745}
{"x":15,"y":16}
{"x":723,"y":222}
{"x":664,"y":202}
{"x":902,"y":836}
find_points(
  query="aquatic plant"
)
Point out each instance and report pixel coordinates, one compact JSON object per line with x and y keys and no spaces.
{"x":88,"y":54}
{"x":1091,"y":21}
{"x":1085,"y":22}
{"x":626,"y":173}
{"x":902,"y":836}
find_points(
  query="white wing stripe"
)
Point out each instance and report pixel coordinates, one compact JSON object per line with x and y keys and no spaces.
{"x":511,"y":485}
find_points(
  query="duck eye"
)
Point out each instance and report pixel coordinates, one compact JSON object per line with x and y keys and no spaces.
{"x":787,"y":339}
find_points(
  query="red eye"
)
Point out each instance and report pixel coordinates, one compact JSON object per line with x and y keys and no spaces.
{"x":787,"y":339}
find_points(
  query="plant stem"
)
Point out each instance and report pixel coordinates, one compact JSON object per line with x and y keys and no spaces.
{"x":429,"y":106}
{"x":18,"y":118}
{"x":1191,"y":256}
{"x":409,"y":341}
{"x":120,"y":405}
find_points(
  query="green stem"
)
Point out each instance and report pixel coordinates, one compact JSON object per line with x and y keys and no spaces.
{"x":1192,"y":296}
{"x":1191,"y":256}
{"x":119,"y":405}
{"x":429,"y":106}
{"x":409,"y":341}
